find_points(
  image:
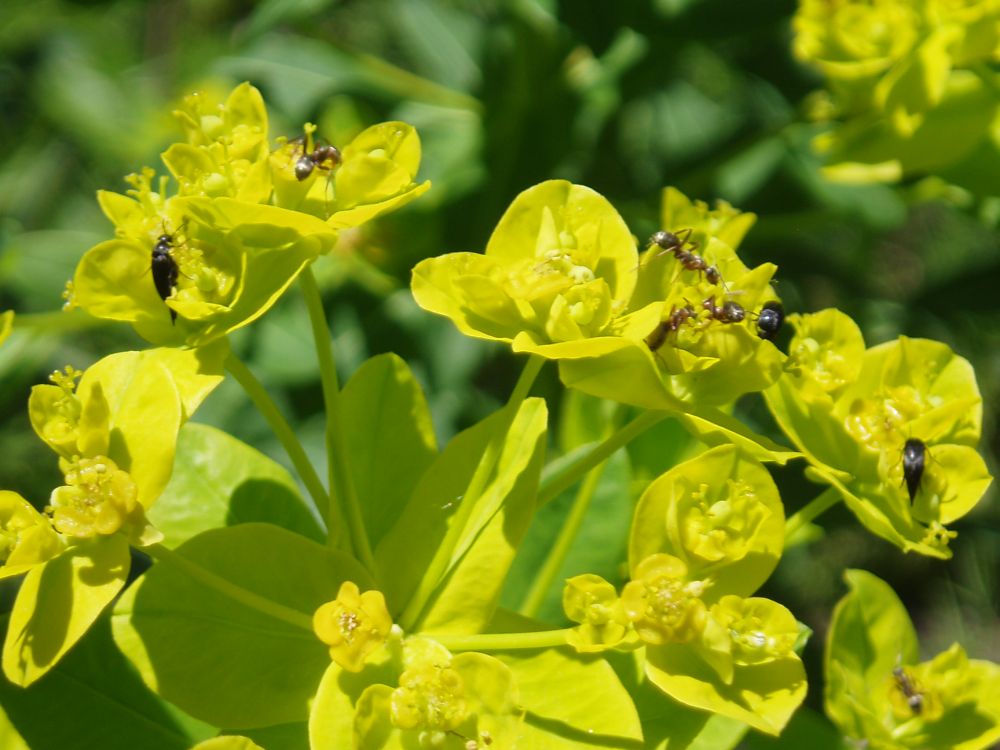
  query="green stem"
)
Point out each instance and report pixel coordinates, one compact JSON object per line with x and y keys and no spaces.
{"x":344,"y":503}
{"x":820,"y":504}
{"x":229,"y":589}
{"x":502,"y":641}
{"x":567,"y":535}
{"x":566,"y":476}
{"x":441,"y":561}
{"x":282,"y":430}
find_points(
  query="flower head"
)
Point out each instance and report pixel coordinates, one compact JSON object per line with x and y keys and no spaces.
{"x":97,"y":499}
{"x":593,"y":602}
{"x":664,"y":605}
{"x":853,"y":412}
{"x":353,"y":625}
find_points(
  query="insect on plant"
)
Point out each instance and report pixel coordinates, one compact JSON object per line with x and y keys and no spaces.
{"x":727,"y":312}
{"x":674,"y":321}
{"x":325,"y":156}
{"x":164,"y":269}
{"x":914,"y":698}
{"x":675,"y":243}
{"x":914,"y":453}
{"x":770,"y":319}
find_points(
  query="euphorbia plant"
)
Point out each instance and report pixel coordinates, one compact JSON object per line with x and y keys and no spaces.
{"x":374,"y":614}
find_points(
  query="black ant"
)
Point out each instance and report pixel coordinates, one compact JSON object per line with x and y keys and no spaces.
{"x":914,"y":453}
{"x":728,"y":312}
{"x":674,"y":321}
{"x":770,"y":319}
{"x":675,"y":243}
{"x":164,"y":269}
{"x":914,"y":698}
{"x":322,"y":157}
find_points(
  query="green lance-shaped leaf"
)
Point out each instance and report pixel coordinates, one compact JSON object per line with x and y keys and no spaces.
{"x":406,"y":550}
{"x":220,"y":481}
{"x":466,"y":600}
{"x":189,"y":629}
{"x":720,"y":513}
{"x":58,"y":602}
{"x":101,"y":703}
{"x":392,"y":441}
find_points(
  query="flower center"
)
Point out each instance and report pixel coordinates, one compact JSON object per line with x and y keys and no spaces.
{"x":96,"y":500}
{"x":429,"y":697}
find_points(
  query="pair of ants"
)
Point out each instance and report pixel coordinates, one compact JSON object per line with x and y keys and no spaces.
{"x":769,"y":319}
{"x":162,"y":263}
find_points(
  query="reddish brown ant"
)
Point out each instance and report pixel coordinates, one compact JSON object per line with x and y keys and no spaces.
{"x":675,"y":243}
{"x":728,"y":312}
{"x":674,"y":321}
{"x":322,"y":157}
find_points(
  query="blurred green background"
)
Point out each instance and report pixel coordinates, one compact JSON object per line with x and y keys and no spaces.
{"x":625,"y":97}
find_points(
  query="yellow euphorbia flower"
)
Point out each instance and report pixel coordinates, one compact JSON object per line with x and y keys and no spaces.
{"x":852,"y":411}
{"x":593,"y":602}
{"x":373,"y":174}
{"x":558,"y":271}
{"x":115,"y":435}
{"x":353,"y":625}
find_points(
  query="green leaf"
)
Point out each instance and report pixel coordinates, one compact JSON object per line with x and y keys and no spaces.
{"x":58,"y":602}
{"x":190,"y":639}
{"x":221,"y":481}
{"x":870,"y":634}
{"x":9,"y":738}
{"x":572,"y":701}
{"x":714,"y":427}
{"x":406,"y":550}
{"x":466,"y":601}
{"x":391,"y":439}
{"x":100,"y":703}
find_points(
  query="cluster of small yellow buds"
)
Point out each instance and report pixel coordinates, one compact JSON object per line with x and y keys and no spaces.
{"x":720,"y":529}
{"x":593,"y":602}
{"x":430,"y":698}
{"x":759,"y":630}
{"x":353,"y":625}
{"x":662,"y":604}
{"x":97,"y":499}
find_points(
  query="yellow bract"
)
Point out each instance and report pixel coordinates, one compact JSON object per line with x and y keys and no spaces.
{"x":26,"y":536}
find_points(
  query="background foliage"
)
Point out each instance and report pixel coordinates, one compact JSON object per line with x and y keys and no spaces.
{"x":624,"y":97}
